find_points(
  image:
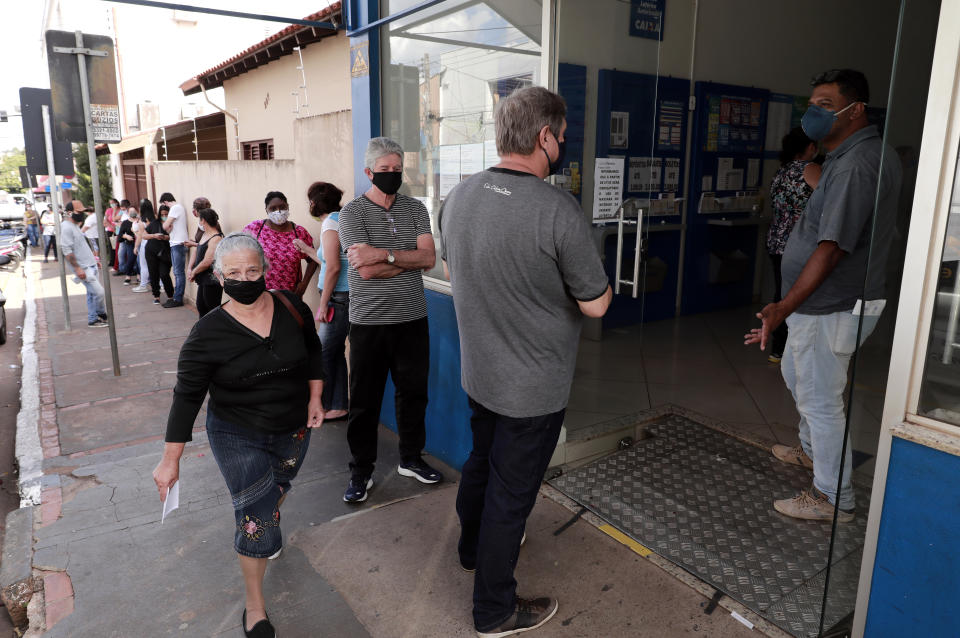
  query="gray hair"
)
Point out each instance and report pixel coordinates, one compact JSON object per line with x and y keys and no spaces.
{"x":378,"y":147}
{"x":520,"y":116}
{"x":234,"y":242}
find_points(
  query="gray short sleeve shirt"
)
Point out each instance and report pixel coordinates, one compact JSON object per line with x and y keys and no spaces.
{"x":860,"y":175}
{"x":520,"y":255}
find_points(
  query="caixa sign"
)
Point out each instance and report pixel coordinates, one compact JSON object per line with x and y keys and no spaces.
{"x":646,"y":18}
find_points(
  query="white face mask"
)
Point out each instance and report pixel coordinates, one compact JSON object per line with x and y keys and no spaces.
{"x":201,"y":226}
{"x":278,"y":217}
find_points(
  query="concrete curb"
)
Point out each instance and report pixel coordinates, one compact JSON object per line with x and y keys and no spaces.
{"x":16,"y":570}
{"x":29,"y":453}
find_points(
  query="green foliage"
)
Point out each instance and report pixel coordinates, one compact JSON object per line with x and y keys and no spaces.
{"x":84,"y":187}
{"x":10,"y":163}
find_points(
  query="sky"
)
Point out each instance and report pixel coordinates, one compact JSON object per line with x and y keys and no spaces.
{"x":21,"y":45}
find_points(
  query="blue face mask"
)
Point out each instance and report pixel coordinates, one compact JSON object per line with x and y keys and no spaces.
{"x":818,"y":121}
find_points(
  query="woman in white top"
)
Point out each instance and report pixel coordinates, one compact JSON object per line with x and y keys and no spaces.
{"x":334,"y":310}
{"x":48,"y":220}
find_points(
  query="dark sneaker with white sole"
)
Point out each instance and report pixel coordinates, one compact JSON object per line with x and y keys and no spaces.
{"x":472,"y":567}
{"x":356,"y":491}
{"x":527,"y":615}
{"x":421,"y":471}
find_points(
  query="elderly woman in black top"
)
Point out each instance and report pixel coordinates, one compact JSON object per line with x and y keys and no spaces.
{"x":259,"y":357}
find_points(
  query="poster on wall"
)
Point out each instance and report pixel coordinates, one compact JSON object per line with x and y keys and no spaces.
{"x":619,"y":129}
{"x":644,"y":175}
{"x":646,"y":18}
{"x":607,"y":187}
{"x":669,"y":126}
{"x":449,"y":168}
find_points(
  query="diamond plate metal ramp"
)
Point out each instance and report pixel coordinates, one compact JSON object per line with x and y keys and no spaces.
{"x":704,"y":501}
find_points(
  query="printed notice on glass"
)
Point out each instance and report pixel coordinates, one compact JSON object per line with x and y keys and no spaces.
{"x":490,"y":156}
{"x":607,"y":187}
{"x":644,"y":175}
{"x":471,"y":159}
{"x":671,"y":174}
{"x":449,"y":168}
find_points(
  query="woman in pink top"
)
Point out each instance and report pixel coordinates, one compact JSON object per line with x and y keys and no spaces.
{"x":276,"y":234}
{"x":110,"y":226}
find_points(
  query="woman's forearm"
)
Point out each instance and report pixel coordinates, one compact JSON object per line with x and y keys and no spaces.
{"x":172,"y":451}
{"x":316,"y":390}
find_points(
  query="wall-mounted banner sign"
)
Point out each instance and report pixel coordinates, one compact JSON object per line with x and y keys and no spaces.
{"x":646,"y":18}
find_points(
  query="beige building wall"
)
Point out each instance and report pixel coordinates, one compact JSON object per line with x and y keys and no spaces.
{"x":262,"y":101}
{"x":323,"y":151}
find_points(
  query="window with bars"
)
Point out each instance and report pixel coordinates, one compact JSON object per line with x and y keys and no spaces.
{"x":258,"y":150}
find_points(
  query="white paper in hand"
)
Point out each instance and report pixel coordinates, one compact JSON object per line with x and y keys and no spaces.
{"x":172,"y":502}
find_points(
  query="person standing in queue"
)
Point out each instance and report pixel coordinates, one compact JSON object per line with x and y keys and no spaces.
{"x":157,"y":253}
{"x":834,"y":276}
{"x":260,"y":360}
{"x":512,"y":241}
{"x":176,"y":228}
{"x":209,"y":291}
{"x":47,"y":219}
{"x":32,"y":223}
{"x":333,"y":313}
{"x":77,"y":252}
{"x":277,"y":234}
{"x":388,"y":242}
{"x":789,"y":192}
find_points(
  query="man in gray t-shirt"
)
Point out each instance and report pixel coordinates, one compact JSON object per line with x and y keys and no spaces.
{"x":523,"y":271}
{"x":76,"y":251}
{"x":833,"y":274}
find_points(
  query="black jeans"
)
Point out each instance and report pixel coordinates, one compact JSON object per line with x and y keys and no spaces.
{"x":403,"y":349}
{"x":498,"y":489}
{"x":159,"y":271}
{"x":49,"y":241}
{"x":208,"y":297}
{"x":780,"y":334}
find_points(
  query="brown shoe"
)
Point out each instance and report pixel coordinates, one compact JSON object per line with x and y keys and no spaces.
{"x":792,"y":455}
{"x":812,"y":505}
{"x":527,"y":615}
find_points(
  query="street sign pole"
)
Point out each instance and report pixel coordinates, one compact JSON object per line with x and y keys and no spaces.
{"x":97,"y":204}
{"x":54,"y":200}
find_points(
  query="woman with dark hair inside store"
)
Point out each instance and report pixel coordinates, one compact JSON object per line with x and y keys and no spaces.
{"x":333,"y":313}
{"x":789,"y":192}
{"x":157,"y":253}
{"x":276,"y":234}
{"x":209,"y":291}
{"x":260,"y":360}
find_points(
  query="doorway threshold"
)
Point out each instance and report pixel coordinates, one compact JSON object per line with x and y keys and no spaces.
{"x":702,"y":500}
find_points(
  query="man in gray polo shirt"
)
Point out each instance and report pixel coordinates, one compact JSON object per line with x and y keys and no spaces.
{"x":523,"y":271}
{"x":833,"y":277}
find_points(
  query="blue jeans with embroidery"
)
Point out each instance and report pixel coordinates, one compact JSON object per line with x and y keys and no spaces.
{"x":814,"y":368}
{"x":258,"y":468}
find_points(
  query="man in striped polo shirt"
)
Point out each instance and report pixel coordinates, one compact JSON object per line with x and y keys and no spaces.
{"x":387,"y":238}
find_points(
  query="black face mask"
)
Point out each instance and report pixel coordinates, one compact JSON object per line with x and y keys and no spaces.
{"x":388,"y":181}
{"x":245,"y":292}
{"x":557,"y":164}
{"x":78,"y":217}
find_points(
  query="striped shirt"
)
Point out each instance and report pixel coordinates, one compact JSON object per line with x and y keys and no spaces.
{"x":385,"y":301}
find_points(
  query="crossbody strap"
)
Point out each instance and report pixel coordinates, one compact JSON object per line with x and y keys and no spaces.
{"x":286,"y":302}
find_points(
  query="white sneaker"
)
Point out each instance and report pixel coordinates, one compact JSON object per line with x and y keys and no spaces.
{"x":141,"y":288}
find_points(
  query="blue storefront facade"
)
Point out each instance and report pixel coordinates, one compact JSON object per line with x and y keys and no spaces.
{"x":428,"y":73}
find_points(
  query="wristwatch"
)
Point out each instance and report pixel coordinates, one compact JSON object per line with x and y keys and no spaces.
{"x":390,"y":257}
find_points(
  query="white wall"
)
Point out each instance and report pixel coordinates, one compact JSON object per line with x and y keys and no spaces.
{"x":236,"y":188}
{"x":263,"y":101}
